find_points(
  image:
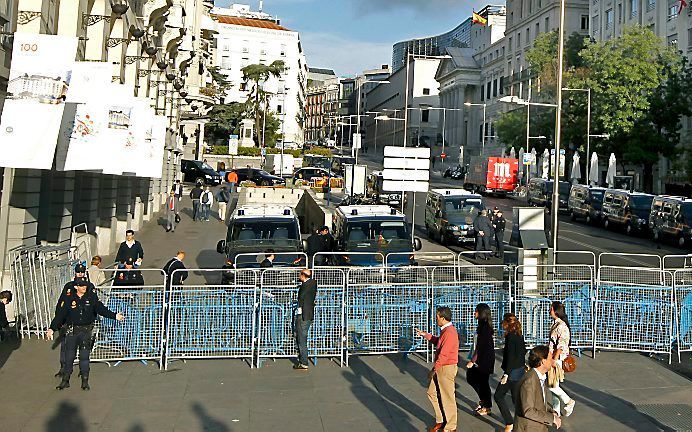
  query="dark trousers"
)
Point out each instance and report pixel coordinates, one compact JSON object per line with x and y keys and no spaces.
{"x":483,"y":244}
{"x":479,"y":380}
{"x":302,"y":329}
{"x":77,"y":339}
{"x":195,"y":210}
{"x":63,"y":350}
{"x":501,"y":399}
{"x":500,"y":242}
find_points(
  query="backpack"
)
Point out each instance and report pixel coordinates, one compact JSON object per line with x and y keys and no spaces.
{"x":205,"y":197}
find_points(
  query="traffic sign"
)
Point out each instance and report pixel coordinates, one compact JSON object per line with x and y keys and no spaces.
{"x":443,"y":155}
{"x":529,"y":159}
{"x":357,"y":141}
{"x":399,"y":174}
{"x":405,"y":186}
{"x":406,"y":169}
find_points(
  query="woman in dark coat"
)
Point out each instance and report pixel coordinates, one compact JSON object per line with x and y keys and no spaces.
{"x":482,"y":359}
{"x":513,"y":365}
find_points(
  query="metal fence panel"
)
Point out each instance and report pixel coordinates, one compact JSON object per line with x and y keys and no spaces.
{"x":631,"y":315}
{"x":347,"y":260}
{"x":683,"y":304}
{"x":213,"y":320}
{"x":277,"y":305}
{"x":570,"y":284}
{"x":630,"y":259}
{"x":381,"y":316}
{"x":463,"y":288}
{"x":677,"y":262}
{"x":420,"y":258}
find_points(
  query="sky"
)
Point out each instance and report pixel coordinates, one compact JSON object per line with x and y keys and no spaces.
{"x":351,"y":36}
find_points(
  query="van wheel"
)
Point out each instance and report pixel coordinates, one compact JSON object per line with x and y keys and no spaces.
{"x":199,"y":180}
{"x":681,"y":241}
{"x":606,"y":224}
{"x":656,"y":235}
{"x":572,"y":216}
{"x":588,"y":219}
{"x":629,"y":229}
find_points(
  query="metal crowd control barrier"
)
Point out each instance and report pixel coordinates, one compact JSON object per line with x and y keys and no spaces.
{"x":634,"y":310}
{"x":292,"y":259}
{"x":348,"y":259}
{"x":278,"y":302}
{"x":37,"y":275}
{"x":213,"y":320}
{"x":420,"y":258}
{"x":675,"y":262}
{"x":683,"y":305}
{"x":464,"y":256}
{"x":628,"y":259}
{"x":462,"y":288}
{"x":140,"y":335}
{"x":383,"y":307}
{"x":570,"y":284}
{"x":582,"y":258}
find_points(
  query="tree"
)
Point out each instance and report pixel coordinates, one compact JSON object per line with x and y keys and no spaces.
{"x":224,"y":120}
{"x":256,"y":74}
{"x":511,"y":128}
{"x":219,"y":85}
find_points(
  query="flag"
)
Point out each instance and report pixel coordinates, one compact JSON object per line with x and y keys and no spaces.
{"x":681,"y":6}
{"x":477,"y":19}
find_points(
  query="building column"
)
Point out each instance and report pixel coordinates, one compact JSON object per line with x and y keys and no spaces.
{"x":105,"y":231}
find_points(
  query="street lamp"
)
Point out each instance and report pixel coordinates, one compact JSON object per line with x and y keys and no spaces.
{"x":469,"y":104}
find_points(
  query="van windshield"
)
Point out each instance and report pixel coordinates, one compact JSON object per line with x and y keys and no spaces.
{"x":686,"y":210}
{"x":597,"y":196}
{"x":641,"y":202}
{"x":463,"y":207}
{"x":367,"y":236}
{"x":263,"y":232}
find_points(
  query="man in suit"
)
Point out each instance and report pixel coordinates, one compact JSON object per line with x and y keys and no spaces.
{"x":533,"y":412}
{"x":269,"y":257}
{"x":304,"y":316}
{"x":174,"y":277}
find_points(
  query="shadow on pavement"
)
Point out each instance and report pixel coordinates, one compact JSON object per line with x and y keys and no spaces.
{"x":208,"y":423}
{"x":10,"y":343}
{"x":67,"y":418}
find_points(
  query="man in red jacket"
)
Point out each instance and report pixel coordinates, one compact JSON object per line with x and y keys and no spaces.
{"x":444,"y":371}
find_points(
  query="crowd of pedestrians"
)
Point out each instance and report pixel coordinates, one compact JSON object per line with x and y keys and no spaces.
{"x":528,"y":381}
{"x":490,"y":231}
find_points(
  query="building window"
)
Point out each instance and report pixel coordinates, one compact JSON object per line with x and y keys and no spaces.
{"x":509,"y":45}
{"x":584,"y":22}
{"x":279,"y":109}
{"x":673,"y":40}
{"x":501,"y":85}
{"x":495,"y":88}
{"x":226,"y":62}
{"x":480,"y":133}
{"x":503,"y":51}
{"x":426,"y":91}
{"x":609,"y":19}
{"x":283,"y":50}
{"x":518,"y":40}
{"x":650,"y":5}
{"x":488,"y":90}
{"x":425,"y":115}
{"x":595,"y":25}
{"x":620,"y":13}
{"x":530,"y":6}
{"x":243,"y":86}
{"x":673,"y":12}
{"x":540,"y":4}
{"x":538,"y":30}
{"x":521,"y":9}
{"x":528,"y":37}
{"x":509,"y":68}
{"x":547,"y":25}
{"x":634,"y":8}
{"x":511,"y":18}
{"x":482,"y":93}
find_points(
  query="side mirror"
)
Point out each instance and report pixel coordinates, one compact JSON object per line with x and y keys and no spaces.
{"x":305,"y":245}
{"x":221,"y":247}
{"x":417,"y":244}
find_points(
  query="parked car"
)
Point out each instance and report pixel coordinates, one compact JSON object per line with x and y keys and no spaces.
{"x":671,"y":219}
{"x":449,"y":215}
{"x":540,"y":193}
{"x":195,"y":171}
{"x":586,"y":202}
{"x":259,"y":177}
{"x":629,"y":210}
{"x":311,"y":172}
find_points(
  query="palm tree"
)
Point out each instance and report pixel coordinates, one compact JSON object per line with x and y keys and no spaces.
{"x":259,"y":73}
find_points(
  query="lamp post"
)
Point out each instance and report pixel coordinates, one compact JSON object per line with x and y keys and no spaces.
{"x":558,"y":126}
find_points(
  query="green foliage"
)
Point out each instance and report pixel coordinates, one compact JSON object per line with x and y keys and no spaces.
{"x":220,"y":83}
{"x":320,"y":151}
{"x":219,"y":150}
{"x":224,"y":120}
{"x":292,"y":152}
{"x":249,"y":151}
{"x":255,"y":105}
{"x":511,"y":128}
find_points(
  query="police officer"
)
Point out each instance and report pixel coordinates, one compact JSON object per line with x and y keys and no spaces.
{"x":77,"y":313}
{"x":68,"y":291}
{"x":499,"y":223}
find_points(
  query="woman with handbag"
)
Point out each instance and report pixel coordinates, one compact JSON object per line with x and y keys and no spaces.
{"x":559,"y":351}
{"x":481,"y":362}
{"x":513,"y":365}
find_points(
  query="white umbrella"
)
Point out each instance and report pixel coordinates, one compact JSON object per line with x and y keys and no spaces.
{"x":576,"y":169}
{"x":512,"y":153}
{"x":521,"y":163}
{"x":546,"y":164}
{"x":533,"y":168}
{"x":594,"y":175}
{"x":610,"y":175}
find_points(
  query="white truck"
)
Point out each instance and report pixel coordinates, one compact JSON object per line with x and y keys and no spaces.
{"x":273,"y":164}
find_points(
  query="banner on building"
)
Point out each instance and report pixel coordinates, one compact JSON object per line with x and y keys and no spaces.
{"x":81,"y":145}
{"x":119,"y":135}
{"x":88,"y":81}
{"x":154,"y":149}
{"x":37,"y":88}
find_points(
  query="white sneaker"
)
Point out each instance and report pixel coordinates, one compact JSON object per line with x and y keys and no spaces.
{"x":569,"y":407}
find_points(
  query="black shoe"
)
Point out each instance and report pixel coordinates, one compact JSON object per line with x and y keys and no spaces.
{"x":58,"y":374}
{"x":85,"y":383}
{"x":65,"y":383}
{"x":300,"y":366}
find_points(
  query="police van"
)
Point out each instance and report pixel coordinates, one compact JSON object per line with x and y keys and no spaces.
{"x":628,"y":210}
{"x":372,"y":229}
{"x":375,"y":188}
{"x":449,"y":215}
{"x":253,"y":229}
{"x":586,"y":202}
{"x":671,"y":219}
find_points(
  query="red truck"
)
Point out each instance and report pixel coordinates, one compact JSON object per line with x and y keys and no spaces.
{"x":492,"y":175}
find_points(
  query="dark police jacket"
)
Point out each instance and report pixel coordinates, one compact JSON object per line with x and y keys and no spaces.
{"x":179,"y":276}
{"x":69,"y":291}
{"x":128,"y":278}
{"x":80,"y":311}
{"x":500,"y":223}
{"x":124,"y":252}
{"x":306,"y":299}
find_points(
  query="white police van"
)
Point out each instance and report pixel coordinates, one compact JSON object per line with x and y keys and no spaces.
{"x":373,"y":229}
{"x":258,"y":227}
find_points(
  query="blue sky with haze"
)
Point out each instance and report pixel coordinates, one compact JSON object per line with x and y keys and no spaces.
{"x":352,"y":35}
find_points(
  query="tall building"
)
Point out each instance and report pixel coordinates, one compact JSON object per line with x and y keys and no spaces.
{"x":460,"y":36}
{"x":246,"y":37}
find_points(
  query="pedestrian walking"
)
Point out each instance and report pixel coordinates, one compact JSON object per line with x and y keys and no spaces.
{"x":207,"y":200}
{"x":269,"y":257}
{"x":558,"y":344}
{"x":444,"y":371}
{"x":233,"y":181}
{"x":484,"y":231}
{"x":175,"y":269}
{"x":178,"y":190}
{"x":223,"y":197}
{"x":499,"y":225}
{"x":77,"y":312}
{"x":533,"y":413}
{"x":96,"y":275}
{"x":171,"y":212}
{"x":195,"y":195}
{"x":130,"y":248}
{"x":513,"y":365}
{"x":304,"y":315}
{"x":5,"y":299}
{"x":481,"y":360}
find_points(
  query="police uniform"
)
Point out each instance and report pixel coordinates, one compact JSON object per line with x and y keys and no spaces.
{"x":77,"y":314}
{"x":68,"y":290}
